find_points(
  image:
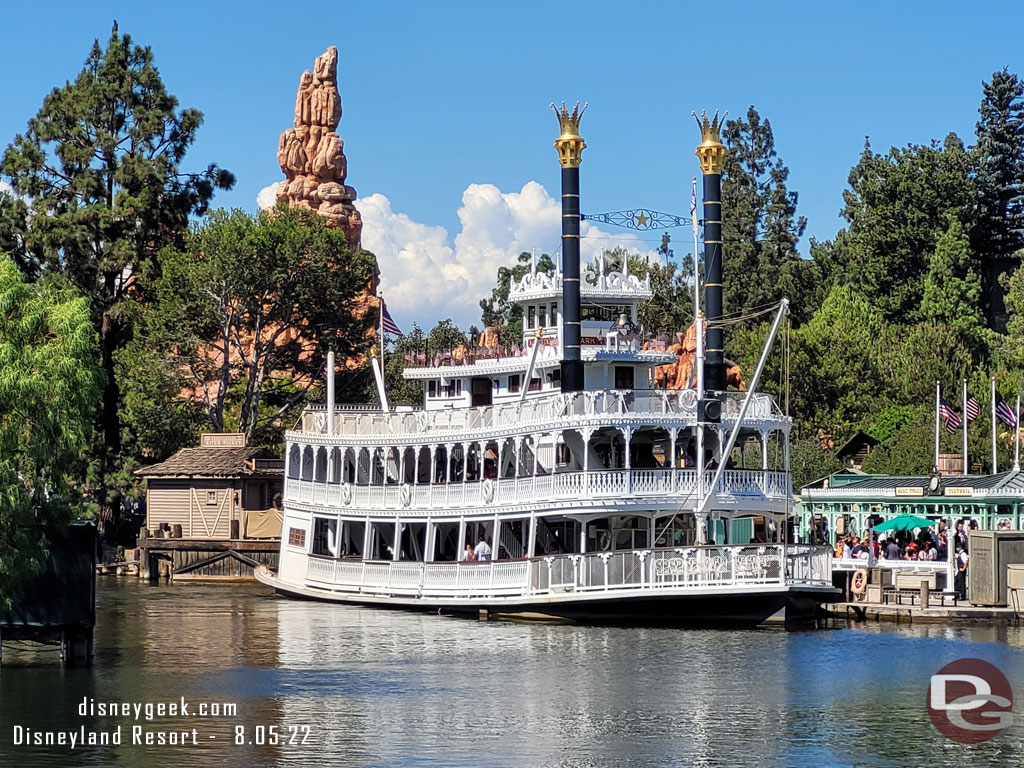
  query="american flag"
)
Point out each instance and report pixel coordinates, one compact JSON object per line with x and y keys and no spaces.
{"x":950,"y":416}
{"x":693,"y":206}
{"x":386,"y":323}
{"x":1004,"y":412}
{"x":973,"y":409}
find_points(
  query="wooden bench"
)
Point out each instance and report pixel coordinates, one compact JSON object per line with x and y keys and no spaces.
{"x":898,"y":595}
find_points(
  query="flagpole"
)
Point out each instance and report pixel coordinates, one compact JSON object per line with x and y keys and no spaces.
{"x":1016,"y":438}
{"x":381,"y":332}
{"x":938,"y":397}
{"x":963,"y":410}
{"x":995,"y":460}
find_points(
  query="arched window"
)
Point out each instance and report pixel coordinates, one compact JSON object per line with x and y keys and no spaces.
{"x":294,"y":461}
{"x":307,"y":463}
{"x":321,"y":465}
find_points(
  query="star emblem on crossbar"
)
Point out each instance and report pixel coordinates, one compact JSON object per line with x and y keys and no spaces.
{"x":642,"y":219}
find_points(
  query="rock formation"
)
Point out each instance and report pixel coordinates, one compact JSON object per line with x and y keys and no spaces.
{"x":312,"y":154}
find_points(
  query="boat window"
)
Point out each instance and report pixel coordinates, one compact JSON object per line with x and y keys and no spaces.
{"x":296,"y":537}
{"x":531,"y":316}
{"x":534,"y":384}
{"x":562,"y":454}
{"x":542,"y":316}
{"x":553,"y":317}
{"x":513,"y":383}
{"x":325,"y":537}
{"x":432,"y":388}
{"x":623,"y":377}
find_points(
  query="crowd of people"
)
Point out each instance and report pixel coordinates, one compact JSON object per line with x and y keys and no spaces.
{"x":929,"y":544}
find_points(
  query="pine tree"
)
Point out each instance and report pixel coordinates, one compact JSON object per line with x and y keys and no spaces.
{"x":760,"y":228}
{"x":100,"y":165}
{"x":952,"y":289}
{"x":998,"y":234}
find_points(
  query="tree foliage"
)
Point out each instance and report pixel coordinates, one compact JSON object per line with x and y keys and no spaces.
{"x":497,"y":311}
{"x":49,"y":390}
{"x":240,"y":322}
{"x":100,"y":168}
{"x":760,"y":226}
{"x":998,"y":232}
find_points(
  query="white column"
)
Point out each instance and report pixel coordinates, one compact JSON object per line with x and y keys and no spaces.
{"x":462,"y":538}
{"x":428,"y":549}
{"x":531,"y":544}
{"x":397,"y":545}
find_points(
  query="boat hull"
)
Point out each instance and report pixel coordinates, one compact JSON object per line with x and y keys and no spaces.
{"x":782,"y":606}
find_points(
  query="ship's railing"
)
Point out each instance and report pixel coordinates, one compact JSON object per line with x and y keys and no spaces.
{"x":545,"y":411}
{"x":853,"y":564}
{"x":697,"y":568}
{"x":614,"y":484}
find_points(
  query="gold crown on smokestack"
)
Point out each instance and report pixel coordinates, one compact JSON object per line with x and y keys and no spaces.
{"x":569,"y":121}
{"x":570,"y":144}
{"x":711,"y":150}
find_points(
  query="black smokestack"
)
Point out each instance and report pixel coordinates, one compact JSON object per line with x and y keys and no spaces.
{"x":570,"y":146}
{"x":712,"y":153}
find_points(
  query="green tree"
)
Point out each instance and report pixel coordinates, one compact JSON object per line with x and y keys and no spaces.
{"x":911,"y":451}
{"x":897,"y":208}
{"x":808,"y":462}
{"x":998,"y":232}
{"x":760,"y":226}
{"x":498,"y":311}
{"x":952,"y":289}
{"x":242,"y":317}
{"x":100,"y":164}
{"x":49,"y":390}
{"x":835,"y":362}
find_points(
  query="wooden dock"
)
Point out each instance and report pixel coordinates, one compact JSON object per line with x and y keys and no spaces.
{"x":962,"y":614}
{"x":205,"y":559}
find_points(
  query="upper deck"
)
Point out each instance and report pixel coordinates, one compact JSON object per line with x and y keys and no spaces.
{"x":553,"y":411}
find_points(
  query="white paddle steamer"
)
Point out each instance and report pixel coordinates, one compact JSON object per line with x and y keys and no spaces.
{"x":600,"y":498}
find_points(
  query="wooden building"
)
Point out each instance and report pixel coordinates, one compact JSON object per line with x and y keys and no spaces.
{"x":215,"y":501}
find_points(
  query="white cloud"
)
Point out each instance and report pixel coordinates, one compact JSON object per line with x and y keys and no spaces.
{"x":267,"y":196}
{"x":425,"y":278}
{"x":6,"y":188}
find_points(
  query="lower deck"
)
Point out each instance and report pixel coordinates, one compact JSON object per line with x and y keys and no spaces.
{"x":686,"y":582}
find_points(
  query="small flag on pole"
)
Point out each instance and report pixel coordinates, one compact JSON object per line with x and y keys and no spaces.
{"x":1004,"y":412}
{"x":386,"y":323}
{"x":973,"y":409}
{"x":950,"y":416}
{"x":693,"y":207}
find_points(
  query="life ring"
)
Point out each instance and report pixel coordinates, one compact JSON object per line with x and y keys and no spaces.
{"x":406,"y":494}
{"x":487,"y":490}
{"x":860,"y":581}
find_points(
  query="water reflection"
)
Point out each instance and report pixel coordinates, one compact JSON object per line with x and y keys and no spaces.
{"x":388,"y":688}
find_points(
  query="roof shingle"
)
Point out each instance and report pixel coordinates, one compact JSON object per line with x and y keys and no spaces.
{"x":207,"y":462}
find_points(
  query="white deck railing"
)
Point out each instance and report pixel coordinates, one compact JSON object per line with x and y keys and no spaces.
{"x":544,"y":412}
{"x":672,"y":485}
{"x":697,"y":568}
{"x":853,"y":564}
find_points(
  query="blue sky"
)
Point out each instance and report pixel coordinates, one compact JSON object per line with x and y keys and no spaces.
{"x":439,"y":97}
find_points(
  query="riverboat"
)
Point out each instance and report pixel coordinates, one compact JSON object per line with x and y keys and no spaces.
{"x":555,"y":479}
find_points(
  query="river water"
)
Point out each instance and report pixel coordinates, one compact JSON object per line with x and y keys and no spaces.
{"x":389,"y":688}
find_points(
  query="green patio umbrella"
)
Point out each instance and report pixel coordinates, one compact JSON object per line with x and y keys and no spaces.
{"x":904,"y":523}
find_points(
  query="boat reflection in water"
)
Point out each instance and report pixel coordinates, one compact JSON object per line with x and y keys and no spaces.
{"x":398,"y":688}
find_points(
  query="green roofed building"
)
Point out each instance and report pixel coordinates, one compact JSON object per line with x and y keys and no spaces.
{"x":843,"y":502}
